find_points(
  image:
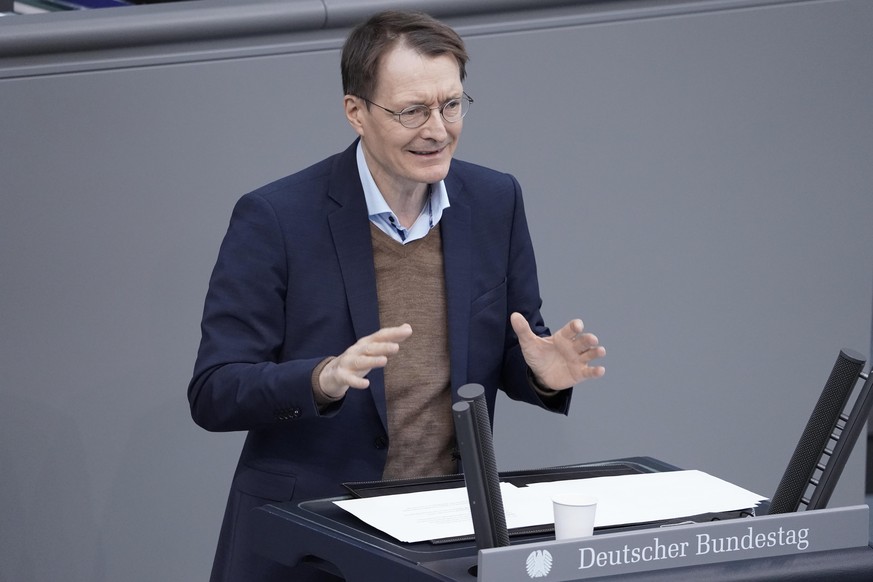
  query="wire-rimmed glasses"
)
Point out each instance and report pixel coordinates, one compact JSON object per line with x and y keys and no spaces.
{"x":415,"y":116}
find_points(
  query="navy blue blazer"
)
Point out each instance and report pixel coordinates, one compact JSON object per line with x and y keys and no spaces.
{"x":294,"y":283}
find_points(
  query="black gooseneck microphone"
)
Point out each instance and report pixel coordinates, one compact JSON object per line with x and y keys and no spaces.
{"x":476,"y":445}
{"x":812,"y":451}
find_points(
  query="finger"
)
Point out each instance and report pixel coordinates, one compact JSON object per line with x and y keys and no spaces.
{"x":352,"y":380}
{"x":584,"y":371}
{"x":360,"y":364}
{"x":352,"y":370}
{"x":390,"y":334}
{"x":585,"y":342}
{"x":572,"y":330}
{"x":335,"y":378}
{"x":588,"y":356}
{"x":521,"y":327}
{"x":594,"y":372}
{"x":378,"y":349}
{"x":593,"y":353}
{"x":367,"y":363}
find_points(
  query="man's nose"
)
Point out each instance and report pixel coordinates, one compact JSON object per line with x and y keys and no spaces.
{"x":435,"y":126}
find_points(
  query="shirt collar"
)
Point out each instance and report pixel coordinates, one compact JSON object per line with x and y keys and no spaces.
{"x":377,"y":207}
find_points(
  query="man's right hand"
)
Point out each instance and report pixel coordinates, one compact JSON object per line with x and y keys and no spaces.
{"x":349,"y":368}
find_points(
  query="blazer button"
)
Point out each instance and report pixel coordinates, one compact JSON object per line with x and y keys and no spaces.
{"x":288,"y":413}
{"x":380,"y":442}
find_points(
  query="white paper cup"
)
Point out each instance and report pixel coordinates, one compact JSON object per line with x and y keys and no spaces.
{"x":574,"y":515}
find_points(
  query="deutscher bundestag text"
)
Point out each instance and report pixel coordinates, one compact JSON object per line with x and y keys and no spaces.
{"x":701,"y":544}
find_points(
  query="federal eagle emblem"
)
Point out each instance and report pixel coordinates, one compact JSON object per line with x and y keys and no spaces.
{"x":539,"y":563}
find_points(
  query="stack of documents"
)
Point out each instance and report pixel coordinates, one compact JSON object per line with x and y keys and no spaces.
{"x":621,"y":500}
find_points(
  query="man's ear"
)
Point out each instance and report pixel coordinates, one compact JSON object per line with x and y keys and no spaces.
{"x":354,"y":110}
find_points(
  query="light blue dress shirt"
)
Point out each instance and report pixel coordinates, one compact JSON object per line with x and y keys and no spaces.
{"x":384,"y":218}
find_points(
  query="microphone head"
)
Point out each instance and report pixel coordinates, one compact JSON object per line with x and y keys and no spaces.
{"x":814,"y":439}
{"x":471,"y":391}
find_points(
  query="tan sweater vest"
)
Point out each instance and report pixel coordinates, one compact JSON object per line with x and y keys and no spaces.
{"x":411,"y":285}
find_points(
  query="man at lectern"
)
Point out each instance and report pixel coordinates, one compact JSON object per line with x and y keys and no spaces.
{"x":351,"y":300}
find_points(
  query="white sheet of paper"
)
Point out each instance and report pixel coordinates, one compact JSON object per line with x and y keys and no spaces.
{"x":622,"y":499}
{"x":645,"y":497}
{"x":428,"y":515}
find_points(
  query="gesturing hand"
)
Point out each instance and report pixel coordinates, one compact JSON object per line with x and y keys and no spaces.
{"x":372,"y":351}
{"x":562,"y":360}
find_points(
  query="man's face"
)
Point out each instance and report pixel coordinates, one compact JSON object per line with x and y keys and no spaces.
{"x":402,"y":160}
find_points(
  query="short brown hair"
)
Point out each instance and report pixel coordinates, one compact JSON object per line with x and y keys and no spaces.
{"x":369,"y":41}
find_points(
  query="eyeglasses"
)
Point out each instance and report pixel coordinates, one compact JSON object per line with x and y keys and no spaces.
{"x":415,"y":116}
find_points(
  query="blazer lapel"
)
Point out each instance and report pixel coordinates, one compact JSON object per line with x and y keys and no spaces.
{"x":350,"y":230}
{"x":456,"y":224}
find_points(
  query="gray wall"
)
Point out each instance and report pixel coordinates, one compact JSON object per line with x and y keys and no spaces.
{"x":699,"y":188}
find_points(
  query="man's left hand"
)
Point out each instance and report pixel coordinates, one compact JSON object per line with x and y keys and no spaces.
{"x":562,"y":360}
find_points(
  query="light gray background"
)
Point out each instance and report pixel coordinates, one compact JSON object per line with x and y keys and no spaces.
{"x":699,"y":187}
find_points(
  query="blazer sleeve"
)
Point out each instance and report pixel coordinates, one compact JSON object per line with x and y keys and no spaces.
{"x":523,"y":295}
{"x":239,"y":382}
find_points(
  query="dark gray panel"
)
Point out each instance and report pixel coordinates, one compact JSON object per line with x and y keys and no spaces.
{"x":203,"y":30}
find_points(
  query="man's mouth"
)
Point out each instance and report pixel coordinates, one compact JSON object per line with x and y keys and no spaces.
{"x":428,"y":152}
